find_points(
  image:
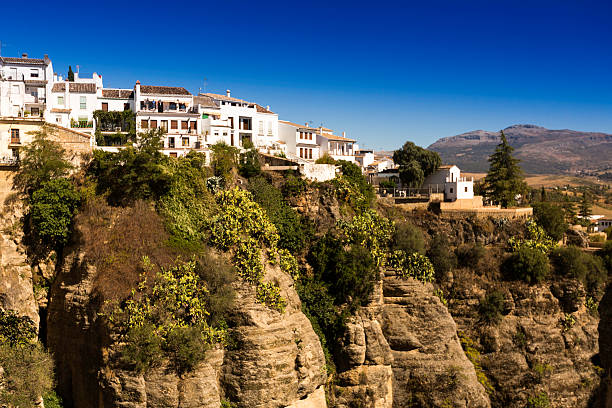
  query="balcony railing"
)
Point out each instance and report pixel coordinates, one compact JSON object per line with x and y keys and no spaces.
{"x":81,"y":124}
{"x":15,"y":140}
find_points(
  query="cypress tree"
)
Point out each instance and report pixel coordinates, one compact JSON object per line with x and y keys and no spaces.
{"x":505,"y":180}
{"x":70,"y":74}
{"x":585,"y":209}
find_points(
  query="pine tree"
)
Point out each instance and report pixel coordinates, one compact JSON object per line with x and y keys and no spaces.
{"x":70,"y":74}
{"x":585,"y":209}
{"x":505,"y":180}
{"x":543,"y":194}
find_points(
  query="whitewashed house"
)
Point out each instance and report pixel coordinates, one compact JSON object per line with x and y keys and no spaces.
{"x":248,"y":122}
{"x":73,"y":102}
{"x":364,"y":158}
{"x":169,"y":108}
{"x":603,"y":224}
{"x":448,"y":179}
{"x":300,"y":140}
{"x":338,"y":147}
{"x":25,"y":84}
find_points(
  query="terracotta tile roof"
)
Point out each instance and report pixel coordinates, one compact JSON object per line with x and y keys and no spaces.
{"x":223,"y":97}
{"x":11,"y":60}
{"x":118,"y":93}
{"x":337,"y":138}
{"x":75,"y":87}
{"x":163,"y":90}
{"x":296,"y":125}
{"x":205,"y":101}
{"x":58,"y":110}
{"x":261,"y":109}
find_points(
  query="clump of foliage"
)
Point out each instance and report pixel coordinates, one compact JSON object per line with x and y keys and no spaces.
{"x":408,"y":238}
{"x":536,"y":239}
{"x":492,"y":307}
{"x":52,"y":208}
{"x":413,"y":265}
{"x":134,"y":173}
{"x":293,"y":186}
{"x":242,"y":226}
{"x":371,"y":231}
{"x":527,"y":264}
{"x":441,"y":256}
{"x":415,"y":163}
{"x":109,"y":120}
{"x":504,"y":181}
{"x":551,"y":218}
{"x":605,"y":254}
{"x":27,"y":367}
{"x":469,"y":255}
{"x":293,"y":230}
{"x":473,"y":355}
{"x":249,"y":164}
{"x":187,"y":205}
{"x":166,"y":318}
{"x":572,"y":262}
{"x":539,"y":401}
{"x":42,"y":160}
{"x":352,"y":187}
{"x":325,"y":159}
{"x":224,"y":159}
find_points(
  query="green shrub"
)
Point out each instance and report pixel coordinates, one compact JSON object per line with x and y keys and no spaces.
{"x":185,"y":347}
{"x":224,"y":159}
{"x":605,"y":254}
{"x":536,"y":239}
{"x":527,"y":264}
{"x":249,"y":164}
{"x":52,"y":400}
{"x":574,"y":263}
{"x":52,"y":208}
{"x":15,"y":329}
{"x":539,"y":401}
{"x":325,"y":159}
{"x":551,"y":218}
{"x":441,"y":256}
{"x":352,"y":186}
{"x":294,"y":186}
{"x":219,"y":276}
{"x":143,"y":348}
{"x":408,"y":238}
{"x":369,"y":230}
{"x":491,"y":308}
{"x":413,"y":265}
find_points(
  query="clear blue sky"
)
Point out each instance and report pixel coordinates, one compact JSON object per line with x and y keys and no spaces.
{"x":384,"y":72}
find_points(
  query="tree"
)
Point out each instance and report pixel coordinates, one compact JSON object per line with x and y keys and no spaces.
{"x":52,"y":209}
{"x":504,"y":181}
{"x":585,"y":207}
{"x":70,"y":74}
{"x":224,"y":159}
{"x":249,"y":165}
{"x":551,"y":218}
{"x":415,"y":163}
{"x":527,"y":264}
{"x":41,"y":161}
{"x":543,"y":194}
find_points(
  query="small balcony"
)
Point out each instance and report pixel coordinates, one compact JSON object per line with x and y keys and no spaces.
{"x":15,"y":140}
{"x":81,"y":124}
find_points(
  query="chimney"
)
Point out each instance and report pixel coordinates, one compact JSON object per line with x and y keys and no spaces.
{"x":267,"y":107}
{"x":227,"y":92}
{"x":343,"y":134}
{"x":24,"y":55}
{"x":306,"y":124}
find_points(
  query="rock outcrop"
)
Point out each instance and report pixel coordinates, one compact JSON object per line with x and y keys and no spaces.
{"x":273,"y":360}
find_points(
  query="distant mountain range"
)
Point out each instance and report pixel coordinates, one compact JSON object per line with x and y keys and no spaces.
{"x":541,"y":150}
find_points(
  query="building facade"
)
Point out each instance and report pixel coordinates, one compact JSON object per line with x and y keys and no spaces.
{"x":300,"y":140}
{"x":25,"y":84}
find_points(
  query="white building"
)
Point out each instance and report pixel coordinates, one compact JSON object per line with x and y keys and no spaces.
{"x":364,"y":158}
{"x":247,"y":121}
{"x":603,"y":224}
{"x":448,"y":179}
{"x":25,"y":84}
{"x":73,"y":102}
{"x":338,"y":147}
{"x":171,"y":109}
{"x":300,"y":140}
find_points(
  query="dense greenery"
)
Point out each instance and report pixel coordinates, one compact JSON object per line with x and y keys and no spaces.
{"x":606,"y":255}
{"x":109,"y":120}
{"x":527,"y":264}
{"x":492,"y":307}
{"x":52,"y":208}
{"x":504,"y":181}
{"x":536,"y":239}
{"x":27,"y":367}
{"x":249,"y":164}
{"x":572,"y":262}
{"x":224,"y":160}
{"x":552,"y":219}
{"x":415,"y":163}
{"x":408,"y":238}
{"x":352,"y":187}
{"x":441,"y":256}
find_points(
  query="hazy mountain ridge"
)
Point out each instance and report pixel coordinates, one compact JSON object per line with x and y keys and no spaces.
{"x":541,"y":150}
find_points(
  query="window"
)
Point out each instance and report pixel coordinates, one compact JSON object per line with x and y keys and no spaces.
{"x":173,"y":154}
{"x":126,"y":106}
{"x":269,"y":128}
{"x":142,"y":105}
{"x":58,"y":119}
{"x":14,"y":135}
{"x":193,"y":126}
{"x":60,"y":100}
{"x":34,"y":73}
{"x":83,"y":100}
{"x":174,"y":124}
{"x":35,"y":111}
{"x":184,"y":125}
{"x":171,"y":142}
{"x":153,"y":124}
{"x":466,"y":190}
{"x":185,"y":142}
{"x":301,"y":152}
{"x":164,"y":125}
{"x":172,"y":106}
{"x":105,"y":106}
{"x":310,"y":153}
{"x":261,"y":127}
{"x":144,"y":124}
{"x":15,"y":153}
{"x":451,"y":190}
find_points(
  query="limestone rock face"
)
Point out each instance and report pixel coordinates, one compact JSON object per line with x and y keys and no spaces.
{"x":275,"y":360}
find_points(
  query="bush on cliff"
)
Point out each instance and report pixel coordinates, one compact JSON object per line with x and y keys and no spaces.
{"x":551,"y":218}
{"x":441,"y":256}
{"x":491,"y":308}
{"x":527,"y":264}
{"x":572,"y":262}
{"x":605,"y":254}
{"x":408,"y":238}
